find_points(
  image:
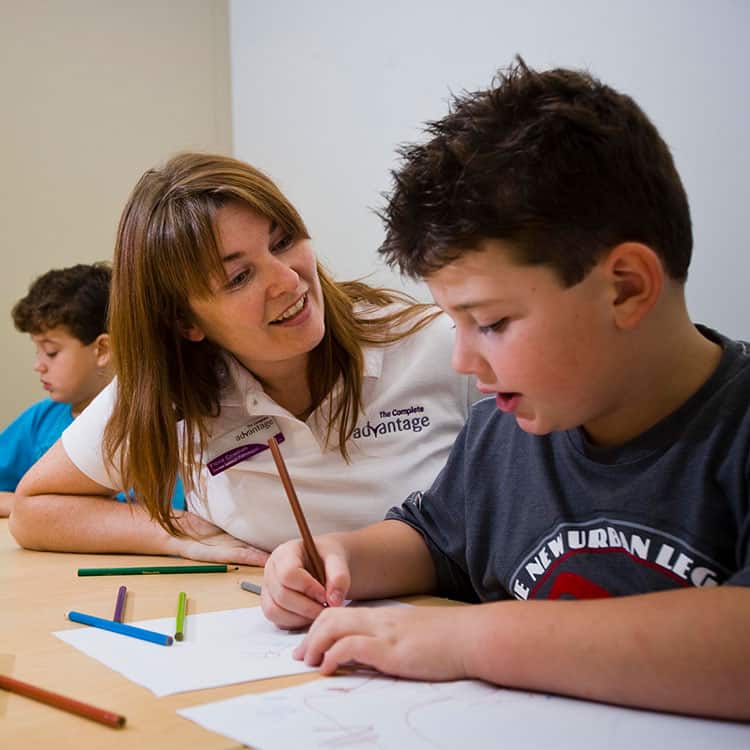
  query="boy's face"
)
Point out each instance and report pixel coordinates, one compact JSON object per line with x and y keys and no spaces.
{"x":547,"y":352}
{"x":68,"y":369}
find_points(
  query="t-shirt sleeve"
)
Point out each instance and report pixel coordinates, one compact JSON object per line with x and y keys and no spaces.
{"x":439,"y":516}
{"x":16,"y":451}
{"x":742,"y":575}
{"x":83,"y":440}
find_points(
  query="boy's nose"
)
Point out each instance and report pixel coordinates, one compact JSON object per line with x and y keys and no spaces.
{"x":465,"y":358}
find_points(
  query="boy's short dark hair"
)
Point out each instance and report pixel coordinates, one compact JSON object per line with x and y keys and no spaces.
{"x":557,"y":164}
{"x":75,"y":297}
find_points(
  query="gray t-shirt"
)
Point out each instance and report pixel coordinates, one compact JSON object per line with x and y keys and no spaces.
{"x":553,"y":517}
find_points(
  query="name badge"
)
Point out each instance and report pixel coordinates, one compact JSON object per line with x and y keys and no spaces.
{"x":241,"y":443}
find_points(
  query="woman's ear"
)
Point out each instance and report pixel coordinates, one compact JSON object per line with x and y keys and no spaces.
{"x":187,"y":328}
{"x":636,"y":275}
{"x":190,"y":331}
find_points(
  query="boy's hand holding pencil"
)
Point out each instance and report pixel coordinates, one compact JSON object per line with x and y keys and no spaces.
{"x":291,"y":596}
{"x":302,"y":581}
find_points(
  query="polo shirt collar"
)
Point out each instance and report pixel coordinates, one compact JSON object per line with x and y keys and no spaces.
{"x":241,"y":383}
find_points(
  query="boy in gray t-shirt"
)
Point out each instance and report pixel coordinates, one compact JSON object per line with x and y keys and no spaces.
{"x":607,"y":475}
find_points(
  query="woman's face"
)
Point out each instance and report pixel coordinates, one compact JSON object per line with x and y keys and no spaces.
{"x":269,"y":313}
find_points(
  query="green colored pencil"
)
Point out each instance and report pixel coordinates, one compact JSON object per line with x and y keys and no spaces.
{"x":180,"y":625}
{"x":154,"y":569}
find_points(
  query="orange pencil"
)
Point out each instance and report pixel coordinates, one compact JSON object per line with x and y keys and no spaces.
{"x":60,"y":701}
{"x":318,"y":570}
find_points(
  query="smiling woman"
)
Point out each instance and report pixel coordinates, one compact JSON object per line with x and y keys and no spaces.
{"x":226,"y":331}
{"x":269,"y":309}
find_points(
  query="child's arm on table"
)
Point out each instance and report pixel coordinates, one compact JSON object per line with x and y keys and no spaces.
{"x":386,"y":559}
{"x":682,"y":650}
{"x":58,"y":508}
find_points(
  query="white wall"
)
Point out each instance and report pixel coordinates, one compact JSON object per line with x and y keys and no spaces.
{"x":94,"y":92}
{"x":323,"y":92}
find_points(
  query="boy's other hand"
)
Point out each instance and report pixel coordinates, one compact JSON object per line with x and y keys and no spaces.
{"x":292,"y":598}
{"x":412,"y":642}
{"x":209,"y":543}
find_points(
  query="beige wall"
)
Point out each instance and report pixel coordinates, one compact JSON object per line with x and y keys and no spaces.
{"x":93,"y":93}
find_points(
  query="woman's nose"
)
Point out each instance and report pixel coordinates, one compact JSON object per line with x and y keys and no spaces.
{"x":283,"y":279}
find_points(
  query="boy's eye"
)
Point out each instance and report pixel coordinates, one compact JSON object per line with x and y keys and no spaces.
{"x":51,"y":355}
{"x":495,"y":327}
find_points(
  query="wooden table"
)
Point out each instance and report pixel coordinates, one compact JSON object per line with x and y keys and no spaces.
{"x":38,"y":588}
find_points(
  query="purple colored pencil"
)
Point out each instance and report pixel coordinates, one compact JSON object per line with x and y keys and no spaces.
{"x":120,"y":604}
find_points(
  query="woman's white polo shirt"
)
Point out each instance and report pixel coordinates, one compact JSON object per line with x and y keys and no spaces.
{"x":414,"y":404}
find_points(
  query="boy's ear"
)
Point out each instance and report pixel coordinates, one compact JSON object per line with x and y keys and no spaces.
{"x":636,"y":276}
{"x":103,"y":350}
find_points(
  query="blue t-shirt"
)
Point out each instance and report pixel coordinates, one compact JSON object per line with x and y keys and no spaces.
{"x":28,"y":437}
{"x":31,"y":434}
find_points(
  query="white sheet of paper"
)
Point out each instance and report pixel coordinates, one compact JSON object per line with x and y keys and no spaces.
{"x":219,"y":648}
{"x":378,"y":712}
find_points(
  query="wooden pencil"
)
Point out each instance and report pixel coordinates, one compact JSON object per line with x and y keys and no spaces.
{"x":63,"y":702}
{"x":316,"y":562}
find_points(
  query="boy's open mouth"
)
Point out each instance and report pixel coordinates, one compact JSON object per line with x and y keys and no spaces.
{"x":507,"y":401}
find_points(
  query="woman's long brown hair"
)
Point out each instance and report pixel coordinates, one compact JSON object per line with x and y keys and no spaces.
{"x":167,"y":251}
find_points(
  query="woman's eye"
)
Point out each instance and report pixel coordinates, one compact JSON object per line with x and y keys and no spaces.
{"x":283,"y":243}
{"x":238,"y":280}
{"x":495,"y":327}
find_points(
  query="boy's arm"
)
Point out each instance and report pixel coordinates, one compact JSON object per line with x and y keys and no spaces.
{"x":387,"y":559}
{"x":684,"y":650}
{"x":59,"y":508}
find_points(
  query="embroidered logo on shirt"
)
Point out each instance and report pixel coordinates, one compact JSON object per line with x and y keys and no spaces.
{"x":241,"y":443}
{"x":408,"y":419}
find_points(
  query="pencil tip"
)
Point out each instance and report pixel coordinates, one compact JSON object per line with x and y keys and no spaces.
{"x":178,"y":636}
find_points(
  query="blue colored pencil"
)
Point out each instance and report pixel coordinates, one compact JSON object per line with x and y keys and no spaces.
{"x":121,"y":628}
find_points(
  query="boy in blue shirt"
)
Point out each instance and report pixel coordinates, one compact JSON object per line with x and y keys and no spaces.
{"x":596,"y":504}
{"x":65,"y":313}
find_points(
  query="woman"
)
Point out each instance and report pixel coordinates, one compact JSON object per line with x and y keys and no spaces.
{"x":226,"y":331}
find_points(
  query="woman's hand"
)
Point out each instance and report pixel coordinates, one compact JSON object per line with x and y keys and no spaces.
{"x":292,"y":598}
{"x":209,"y":543}
{"x":422,"y":643}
